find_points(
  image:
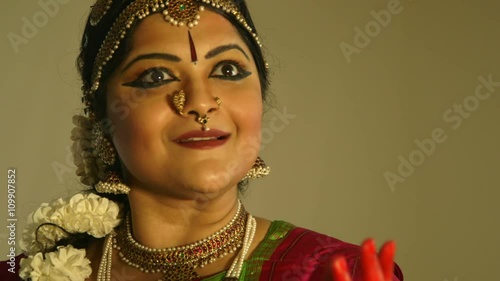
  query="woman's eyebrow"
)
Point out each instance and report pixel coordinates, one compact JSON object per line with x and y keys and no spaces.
{"x":169,"y":57}
{"x":163,"y":56}
{"x":225,"y":48}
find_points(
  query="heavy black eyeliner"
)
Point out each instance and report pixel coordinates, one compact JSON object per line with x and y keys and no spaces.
{"x":241,"y":75}
{"x":235,"y":78}
{"x":137,"y":83}
{"x":147,"y":85}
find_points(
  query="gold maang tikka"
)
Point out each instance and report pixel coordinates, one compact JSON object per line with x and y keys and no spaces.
{"x":182,"y":13}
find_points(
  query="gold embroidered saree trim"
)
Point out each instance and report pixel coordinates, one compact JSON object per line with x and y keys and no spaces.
{"x":252,"y":268}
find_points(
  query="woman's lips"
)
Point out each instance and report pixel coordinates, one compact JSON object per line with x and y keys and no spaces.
{"x":203,"y":139}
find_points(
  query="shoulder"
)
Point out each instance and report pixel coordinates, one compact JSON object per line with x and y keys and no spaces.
{"x":9,"y":269}
{"x":297,"y":242}
{"x":303,"y":253}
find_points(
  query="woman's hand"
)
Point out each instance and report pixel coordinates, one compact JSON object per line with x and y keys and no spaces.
{"x":373,"y":267}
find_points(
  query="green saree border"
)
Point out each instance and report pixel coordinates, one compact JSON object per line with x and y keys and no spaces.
{"x":252,"y":268}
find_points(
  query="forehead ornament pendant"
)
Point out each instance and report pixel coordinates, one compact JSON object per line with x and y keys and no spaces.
{"x":183,"y":13}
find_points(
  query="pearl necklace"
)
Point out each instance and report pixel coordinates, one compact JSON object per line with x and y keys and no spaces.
{"x":234,"y":271}
{"x":104,"y":272}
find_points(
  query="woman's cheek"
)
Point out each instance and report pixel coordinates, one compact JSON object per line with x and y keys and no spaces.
{"x":250,"y":131}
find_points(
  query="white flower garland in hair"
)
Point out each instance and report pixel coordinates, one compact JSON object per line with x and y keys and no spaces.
{"x":83,"y":213}
{"x":67,"y":263}
{"x":89,"y":166}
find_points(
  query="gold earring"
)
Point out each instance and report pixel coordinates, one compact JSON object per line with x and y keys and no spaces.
{"x":180,"y":102}
{"x":112,"y":185}
{"x":258,"y":170}
{"x":102,"y":146}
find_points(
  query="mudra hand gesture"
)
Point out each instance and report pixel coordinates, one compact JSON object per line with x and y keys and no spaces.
{"x":374,"y":267}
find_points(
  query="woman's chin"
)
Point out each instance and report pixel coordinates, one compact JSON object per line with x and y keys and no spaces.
{"x":212,"y":184}
{"x":210,"y":178}
{"x":209,"y":181}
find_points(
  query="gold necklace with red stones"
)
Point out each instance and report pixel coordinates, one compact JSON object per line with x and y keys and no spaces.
{"x":179,"y":263}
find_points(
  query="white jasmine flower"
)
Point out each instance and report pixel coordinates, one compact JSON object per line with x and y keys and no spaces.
{"x":83,"y":213}
{"x":65,"y":264}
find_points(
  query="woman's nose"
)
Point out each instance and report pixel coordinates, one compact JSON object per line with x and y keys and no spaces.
{"x":197,"y":103}
{"x":200,"y":101}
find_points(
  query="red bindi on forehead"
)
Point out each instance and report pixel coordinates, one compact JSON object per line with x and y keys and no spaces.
{"x":192,"y":47}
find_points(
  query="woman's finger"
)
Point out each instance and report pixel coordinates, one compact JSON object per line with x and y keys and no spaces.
{"x":340,"y":270}
{"x":386,"y":257}
{"x":370,"y":267}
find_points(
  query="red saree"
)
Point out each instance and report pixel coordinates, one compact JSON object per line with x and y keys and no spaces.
{"x":287,"y":253}
{"x":290,"y":253}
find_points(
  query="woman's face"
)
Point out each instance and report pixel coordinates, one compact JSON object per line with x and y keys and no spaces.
{"x":164,"y":152}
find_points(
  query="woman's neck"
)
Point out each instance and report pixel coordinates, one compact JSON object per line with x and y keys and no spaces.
{"x":162,"y":222}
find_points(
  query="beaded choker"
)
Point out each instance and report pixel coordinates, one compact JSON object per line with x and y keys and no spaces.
{"x":179,"y":263}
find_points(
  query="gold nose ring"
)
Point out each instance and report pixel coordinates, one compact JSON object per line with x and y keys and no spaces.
{"x":218,"y":101}
{"x":203,"y":121}
{"x":179,"y":102}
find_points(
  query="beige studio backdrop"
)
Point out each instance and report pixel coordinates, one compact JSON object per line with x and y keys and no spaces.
{"x":385,"y":125}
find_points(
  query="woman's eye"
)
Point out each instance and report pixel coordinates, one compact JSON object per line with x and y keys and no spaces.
{"x":229,"y":71}
{"x":155,"y":76}
{"x":151,"y":78}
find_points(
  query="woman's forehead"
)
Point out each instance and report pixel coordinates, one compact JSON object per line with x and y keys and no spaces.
{"x":154,"y":33}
